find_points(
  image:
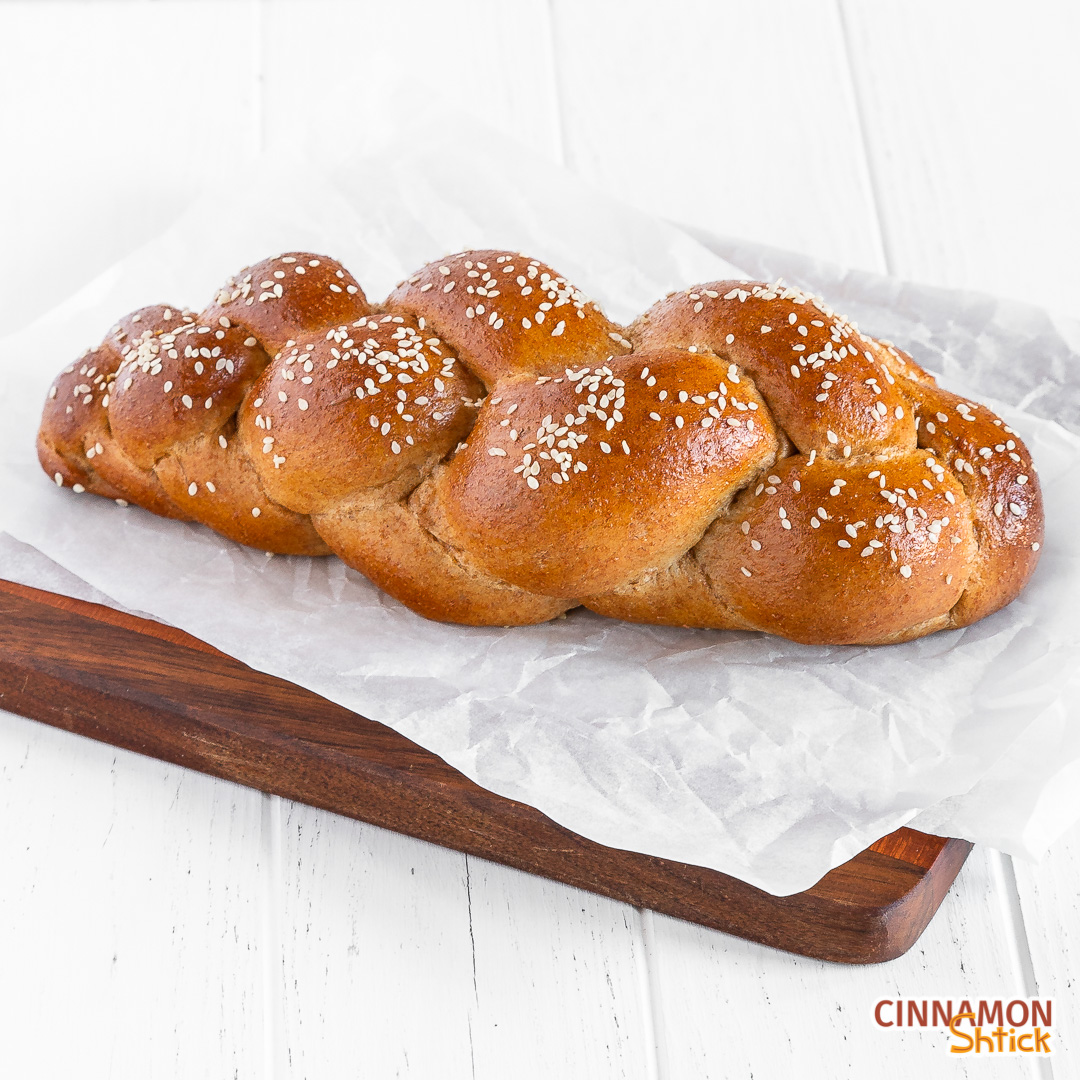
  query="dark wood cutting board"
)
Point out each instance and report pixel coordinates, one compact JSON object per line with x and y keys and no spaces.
{"x":156,"y":690}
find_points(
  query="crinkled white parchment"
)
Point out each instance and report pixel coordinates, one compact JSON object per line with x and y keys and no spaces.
{"x":752,"y":755}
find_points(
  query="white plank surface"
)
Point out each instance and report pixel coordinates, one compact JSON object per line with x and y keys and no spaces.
{"x":131,"y":922}
{"x":970,"y":114}
{"x":738,"y":118}
{"x":1049,"y":897}
{"x":255,"y":937}
{"x":341,"y":78}
{"x":110,"y":116}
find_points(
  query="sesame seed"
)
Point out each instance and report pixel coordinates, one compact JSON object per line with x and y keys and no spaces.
{"x":745,"y":571}
{"x":192,"y":488}
{"x":842,"y":544}
{"x":1034,"y":547}
{"x":905,"y":571}
{"x":255,"y":511}
{"x":59,"y":479}
{"x":78,"y":488}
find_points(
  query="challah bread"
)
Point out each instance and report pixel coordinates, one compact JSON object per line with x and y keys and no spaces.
{"x":490,"y":449}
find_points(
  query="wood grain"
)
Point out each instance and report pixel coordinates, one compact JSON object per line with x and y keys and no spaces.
{"x":140,"y":686}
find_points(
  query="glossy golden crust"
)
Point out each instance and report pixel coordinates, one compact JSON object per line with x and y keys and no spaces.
{"x":859,"y":550}
{"x":592,"y":480}
{"x":280,"y":299}
{"x":351,"y":408}
{"x":509,"y":315}
{"x":490,"y":449}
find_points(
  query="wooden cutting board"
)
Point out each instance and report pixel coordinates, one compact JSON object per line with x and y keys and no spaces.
{"x":156,"y":690}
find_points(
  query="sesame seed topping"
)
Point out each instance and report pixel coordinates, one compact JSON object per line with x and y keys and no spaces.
{"x":905,"y":571}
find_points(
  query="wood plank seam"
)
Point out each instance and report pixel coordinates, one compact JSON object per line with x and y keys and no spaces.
{"x":557,"y":87}
{"x":869,"y":171}
{"x":650,"y":988}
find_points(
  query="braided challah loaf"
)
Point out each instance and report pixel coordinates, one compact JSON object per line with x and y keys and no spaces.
{"x":490,"y":449}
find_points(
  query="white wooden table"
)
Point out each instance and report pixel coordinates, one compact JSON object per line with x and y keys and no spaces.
{"x":155,"y":922}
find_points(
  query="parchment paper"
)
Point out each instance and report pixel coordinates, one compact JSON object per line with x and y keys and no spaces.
{"x":752,"y":755}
